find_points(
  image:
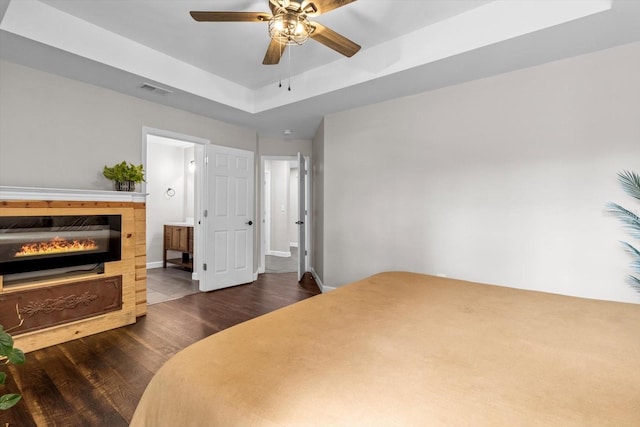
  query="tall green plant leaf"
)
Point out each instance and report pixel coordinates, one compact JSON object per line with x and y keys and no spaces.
{"x":630,"y":182}
{"x":635,"y":253}
{"x":630,"y":220}
{"x":634,"y":282}
{"x":631,"y":249}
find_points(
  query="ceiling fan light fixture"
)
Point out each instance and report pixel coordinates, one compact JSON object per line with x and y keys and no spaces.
{"x":289,"y":28}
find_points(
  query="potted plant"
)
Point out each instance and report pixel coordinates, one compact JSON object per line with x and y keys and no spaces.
{"x":125,"y":175}
{"x":10,"y":354}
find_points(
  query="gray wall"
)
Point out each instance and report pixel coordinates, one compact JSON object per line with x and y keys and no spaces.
{"x":57,"y":132}
{"x":284,"y":147}
{"x":317,"y":208}
{"x":501,"y":180}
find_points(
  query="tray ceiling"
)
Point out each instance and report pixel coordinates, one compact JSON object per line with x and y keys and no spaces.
{"x":215,"y":69}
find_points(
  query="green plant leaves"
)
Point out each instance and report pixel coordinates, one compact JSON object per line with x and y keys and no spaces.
{"x":13,"y":355}
{"x":634,"y":282}
{"x":630,"y":182}
{"x":16,"y":356}
{"x":630,"y":220}
{"x":8,"y":400}
{"x":632,"y":250}
{"x":6,"y":343}
{"x":124,"y":172}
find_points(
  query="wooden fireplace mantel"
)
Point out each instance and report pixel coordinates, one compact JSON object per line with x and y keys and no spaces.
{"x":130,"y":270}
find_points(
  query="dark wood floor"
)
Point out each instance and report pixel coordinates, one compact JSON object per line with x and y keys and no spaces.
{"x":98,"y":380}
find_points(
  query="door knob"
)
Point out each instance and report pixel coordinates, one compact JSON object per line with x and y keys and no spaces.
{"x":249,"y":222}
{"x":299,"y":222}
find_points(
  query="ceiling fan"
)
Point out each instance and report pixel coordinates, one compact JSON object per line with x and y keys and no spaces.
{"x":289,"y":24}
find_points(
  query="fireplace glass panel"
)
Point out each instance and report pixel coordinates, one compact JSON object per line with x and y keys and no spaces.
{"x":34,"y":243}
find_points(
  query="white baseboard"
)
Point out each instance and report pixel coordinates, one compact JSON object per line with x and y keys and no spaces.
{"x":255,"y":276}
{"x":293,"y":244}
{"x":279,"y":253}
{"x":261,"y":270}
{"x":319,"y":282}
{"x":194,"y":276}
{"x":155,"y":264}
{"x":328,"y":289}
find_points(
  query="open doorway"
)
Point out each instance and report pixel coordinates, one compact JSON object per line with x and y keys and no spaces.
{"x":171,"y":165}
{"x":281,"y":207}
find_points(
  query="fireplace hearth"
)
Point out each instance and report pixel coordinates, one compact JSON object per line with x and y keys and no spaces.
{"x":39,"y":243}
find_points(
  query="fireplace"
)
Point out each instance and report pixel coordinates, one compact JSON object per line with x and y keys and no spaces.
{"x":37,"y":243}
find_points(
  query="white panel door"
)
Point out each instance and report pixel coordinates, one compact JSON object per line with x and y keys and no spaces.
{"x":302,"y":217}
{"x":228,"y":219}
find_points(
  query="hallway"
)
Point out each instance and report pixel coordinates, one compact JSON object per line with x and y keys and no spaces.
{"x":277,"y":264}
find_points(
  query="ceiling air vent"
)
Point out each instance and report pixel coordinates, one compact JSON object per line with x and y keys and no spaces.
{"x":155,"y":89}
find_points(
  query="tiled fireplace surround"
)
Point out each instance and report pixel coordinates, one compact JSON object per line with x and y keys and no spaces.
{"x":60,"y":308}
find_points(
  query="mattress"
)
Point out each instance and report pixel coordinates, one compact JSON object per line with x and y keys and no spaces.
{"x":405,"y":349}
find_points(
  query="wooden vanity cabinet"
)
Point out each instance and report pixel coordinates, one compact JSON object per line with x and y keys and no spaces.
{"x":178,"y":238}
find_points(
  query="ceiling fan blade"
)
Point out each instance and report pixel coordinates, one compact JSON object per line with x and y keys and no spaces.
{"x":335,"y":41}
{"x":274,"y":53}
{"x":318,"y":7}
{"x":229,"y":16}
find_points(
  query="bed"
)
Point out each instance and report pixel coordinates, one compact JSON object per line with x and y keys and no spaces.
{"x":404,"y":349}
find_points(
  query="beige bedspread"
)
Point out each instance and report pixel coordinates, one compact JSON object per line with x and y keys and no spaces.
{"x":402,"y":349}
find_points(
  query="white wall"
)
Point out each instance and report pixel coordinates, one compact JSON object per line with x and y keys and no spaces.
{"x":501,"y":180}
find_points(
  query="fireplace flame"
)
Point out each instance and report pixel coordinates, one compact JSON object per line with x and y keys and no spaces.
{"x":55,"y":246}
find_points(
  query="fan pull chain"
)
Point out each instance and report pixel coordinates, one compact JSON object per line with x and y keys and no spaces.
{"x":289,"y":69}
{"x":280,"y":68}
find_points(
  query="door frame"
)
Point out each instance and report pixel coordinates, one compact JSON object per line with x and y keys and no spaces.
{"x":266,"y":211}
{"x":199,"y":189}
{"x":262,"y":213}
